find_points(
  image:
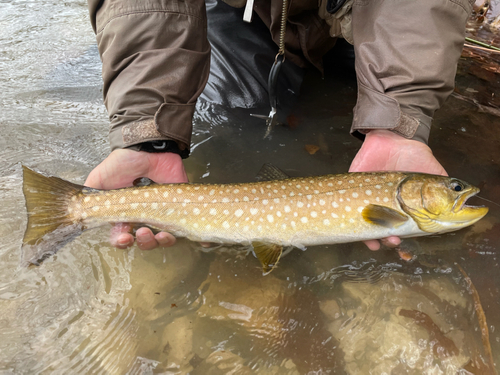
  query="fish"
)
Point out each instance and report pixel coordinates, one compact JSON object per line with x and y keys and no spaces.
{"x":269,"y":215}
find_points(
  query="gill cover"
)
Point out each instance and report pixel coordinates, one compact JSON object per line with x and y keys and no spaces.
{"x":437,"y":203}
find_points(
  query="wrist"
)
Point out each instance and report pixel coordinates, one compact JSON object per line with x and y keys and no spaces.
{"x":161,"y":146}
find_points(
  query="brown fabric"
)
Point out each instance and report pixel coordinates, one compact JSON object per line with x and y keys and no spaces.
{"x":156,"y":60}
{"x":406,"y":58}
{"x":307,"y":37}
{"x":153,"y":52}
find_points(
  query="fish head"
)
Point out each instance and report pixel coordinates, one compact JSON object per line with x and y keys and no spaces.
{"x":438,"y":203}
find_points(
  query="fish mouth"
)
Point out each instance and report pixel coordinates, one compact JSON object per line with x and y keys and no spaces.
{"x":469,"y":212}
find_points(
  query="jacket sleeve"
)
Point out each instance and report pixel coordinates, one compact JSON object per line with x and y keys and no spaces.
{"x":406,"y":58}
{"x":155,"y":63}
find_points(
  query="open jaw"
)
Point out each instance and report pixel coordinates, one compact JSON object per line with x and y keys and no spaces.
{"x":460,"y":203}
{"x":468,"y":213}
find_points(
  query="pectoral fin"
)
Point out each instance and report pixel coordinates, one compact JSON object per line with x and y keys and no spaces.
{"x":268,"y":255}
{"x":384,"y":216}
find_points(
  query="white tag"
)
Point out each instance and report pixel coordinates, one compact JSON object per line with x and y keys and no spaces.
{"x":247,"y":16}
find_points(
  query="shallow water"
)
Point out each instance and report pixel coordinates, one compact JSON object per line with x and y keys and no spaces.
{"x":330,"y":309}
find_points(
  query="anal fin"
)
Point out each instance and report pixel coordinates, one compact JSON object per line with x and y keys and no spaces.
{"x":268,"y":255}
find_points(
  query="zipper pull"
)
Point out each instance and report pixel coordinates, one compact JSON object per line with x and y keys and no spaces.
{"x":247,"y":15}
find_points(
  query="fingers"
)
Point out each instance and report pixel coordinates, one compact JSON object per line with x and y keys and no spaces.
{"x":373,"y":245}
{"x":165,"y":239}
{"x":120,"y":236}
{"x":146,"y":240}
{"x":391,"y":242}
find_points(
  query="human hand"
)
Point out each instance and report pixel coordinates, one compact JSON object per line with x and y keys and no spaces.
{"x":384,"y":150}
{"x":120,"y":169}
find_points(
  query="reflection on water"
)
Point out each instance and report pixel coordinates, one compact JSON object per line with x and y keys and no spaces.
{"x":330,"y":309}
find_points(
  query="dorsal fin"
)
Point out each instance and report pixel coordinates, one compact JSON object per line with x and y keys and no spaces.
{"x":270,"y":172}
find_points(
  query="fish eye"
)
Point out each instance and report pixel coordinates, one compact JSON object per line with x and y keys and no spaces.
{"x":457,"y":186}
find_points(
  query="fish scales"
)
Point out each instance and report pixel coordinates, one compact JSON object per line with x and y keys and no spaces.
{"x":296,"y":211}
{"x":268,"y":215}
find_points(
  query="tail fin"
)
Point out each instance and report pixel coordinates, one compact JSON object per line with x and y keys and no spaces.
{"x":49,"y":225}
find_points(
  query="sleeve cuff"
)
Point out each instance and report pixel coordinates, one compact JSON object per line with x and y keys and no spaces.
{"x":375,"y":110}
{"x":171,"y":122}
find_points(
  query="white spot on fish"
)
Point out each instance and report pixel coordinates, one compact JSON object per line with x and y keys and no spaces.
{"x":287,"y":209}
{"x":322,"y":202}
{"x":354,"y":195}
{"x":386,"y":199}
{"x":245,"y":199}
{"x":165,"y":194}
{"x":86,"y":199}
{"x":225,"y":200}
{"x":213,"y":211}
{"x":341,"y":191}
{"x":278,"y":213}
{"x":146,"y":194}
{"x":254,"y":211}
{"x":245,"y":228}
{"x":122,"y":200}
{"x":335,"y":205}
{"x":135,"y":192}
{"x":368,"y":192}
{"x":335,"y":216}
{"x":196,"y":211}
{"x":326,"y":222}
{"x":360,"y":209}
{"x":304,"y":219}
{"x":270,"y":218}
{"x":183,"y":221}
{"x":378,"y":187}
{"x":265,"y":201}
{"x":314,"y":214}
{"x":212,"y":192}
{"x":134,"y":206}
{"x":195,"y":225}
{"x":239,"y":212}
{"x":107,"y":203}
{"x":283,"y":226}
{"x":154,"y":206}
{"x":226,"y":212}
{"x":226,"y":225}
{"x":300,"y":204}
{"x":351,"y":181}
{"x":348,"y":208}
{"x":276,"y":200}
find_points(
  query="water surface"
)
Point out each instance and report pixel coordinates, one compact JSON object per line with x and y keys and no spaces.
{"x":330,"y":309}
